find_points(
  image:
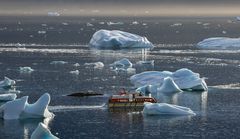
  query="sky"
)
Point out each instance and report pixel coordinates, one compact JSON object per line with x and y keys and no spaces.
{"x":120,"y":7}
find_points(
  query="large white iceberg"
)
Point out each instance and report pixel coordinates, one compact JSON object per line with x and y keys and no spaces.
{"x":184,"y":78}
{"x":165,"y":109}
{"x":21,"y":109}
{"x":7,"y":83}
{"x":220,"y":43}
{"x":7,"y":97}
{"x":42,"y":132}
{"x":115,"y":39}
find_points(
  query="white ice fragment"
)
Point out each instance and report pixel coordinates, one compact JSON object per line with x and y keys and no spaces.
{"x":96,"y":65}
{"x":169,"y":86}
{"x":135,"y":23}
{"x":101,"y":23}
{"x":76,"y":72}
{"x":58,"y":62}
{"x":165,"y":109}
{"x":114,"y":23}
{"x":53,"y":14}
{"x":176,"y":24}
{"x":42,"y":32}
{"x":89,"y":25}
{"x":26,"y":69}
{"x":7,"y":83}
{"x":238,"y":18}
{"x":131,"y":70}
{"x":42,"y":132}
{"x":20,"y":109}
{"x":65,"y":24}
{"x":44,"y":25}
{"x":115,"y":39}
{"x":184,"y":78}
{"x":150,"y":62}
{"x":224,"y":32}
{"x":7,"y":97}
{"x":76,"y":65}
{"x":123,"y":63}
{"x":220,"y":43}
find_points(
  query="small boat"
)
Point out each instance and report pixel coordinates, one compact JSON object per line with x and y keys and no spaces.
{"x":129,"y":100}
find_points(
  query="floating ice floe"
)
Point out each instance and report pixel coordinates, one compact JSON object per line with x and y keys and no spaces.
{"x":176,"y":24}
{"x":42,"y":32}
{"x":26,"y":69}
{"x":150,"y":62}
{"x":123,"y":63}
{"x":76,"y":72}
{"x":76,"y":65}
{"x":42,"y":132}
{"x":115,"y":39}
{"x":7,"y":97}
{"x":184,"y":78}
{"x":165,"y":109}
{"x":53,"y":14}
{"x":7,"y":83}
{"x":220,"y":43}
{"x":114,"y":23}
{"x":21,"y":109}
{"x":96,"y":65}
{"x":169,"y":86}
{"x":58,"y":62}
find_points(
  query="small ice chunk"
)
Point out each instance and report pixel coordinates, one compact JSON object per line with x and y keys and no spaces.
{"x":176,"y":24}
{"x":7,"y":97}
{"x":220,"y":43}
{"x":206,"y":24}
{"x":165,"y":109}
{"x":53,"y":14}
{"x":115,"y":39}
{"x":123,"y":63}
{"x":58,"y":62}
{"x":42,"y":132}
{"x":238,"y":18}
{"x":42,"y":32}
{"x":135,"y":23}
{"x":224,"y":32}
{"x":101,"y":23}
{"x":131,"y":70}
{"x":76,"y":72}
{"x":21,"y":109}
{"x":65,"y":24}
{"x":114,"y":23}
{"x":169,"y":86}
{"x":76,"y":65}
{"x":26,"y":69}
{"x":150,"y":62}
{"x":89,"y":25}
{"x":95,"y":65}
{"x":7,"y":83}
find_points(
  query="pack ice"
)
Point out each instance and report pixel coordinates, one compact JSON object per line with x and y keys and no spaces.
{"x":165,"y":109}
{"x":7,"y":83}
{"x":42,"y":132}
{"x":183,"y":79}
{"x":21,"y":109}
{"x":220,"y":43}
{"x":115,"y":39}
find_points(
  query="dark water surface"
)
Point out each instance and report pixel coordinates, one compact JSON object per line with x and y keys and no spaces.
{"x":65,"y":39}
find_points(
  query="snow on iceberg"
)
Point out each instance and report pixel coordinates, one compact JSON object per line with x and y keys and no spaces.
{"x":220,"y":43}
{"x":7,"y":83}
{"x":169,"y":86}
{"x":7,"y":97}
{"x":26,"y":69}
{"x":42,"y":132}
{"x":184,"y":79}
{"x":115,"y":39}
{"x":95,"y":65}
{"x":21,"y":109}
{"x":165,"y":109}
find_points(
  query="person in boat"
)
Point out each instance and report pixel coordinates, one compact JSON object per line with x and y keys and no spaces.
{"x":122,"y":92}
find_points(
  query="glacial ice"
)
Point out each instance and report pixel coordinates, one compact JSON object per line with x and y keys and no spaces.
{"x":7,"y":97}
{"x":21,"y":109}
{"x":115,"y":39}
{"x":165,"y":109}
{"x":26,"y":69}
{"x":220,"y":43}
{"x":123,"y":63}
{"x":7,"y":83}
{"x":95,"y":65}
{"x":42,"y":132}
{"x":169,"y":86}
{"x":184,"y":79}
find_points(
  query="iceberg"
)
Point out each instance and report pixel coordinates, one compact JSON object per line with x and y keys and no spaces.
{"x":42,"y":132}
{"x":115,"y":39}
{"x":220,"y":43}
{"x":169,"y":86}
{"x":26,"y":69}
{"x":184,"y":78}
{"x":7,"y":97}
{"x":7,"y":83}
{"x":123,"y":63}
{"x":165,"y":109}
{"x":21,"y":109}
{"x":95,"y":65}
